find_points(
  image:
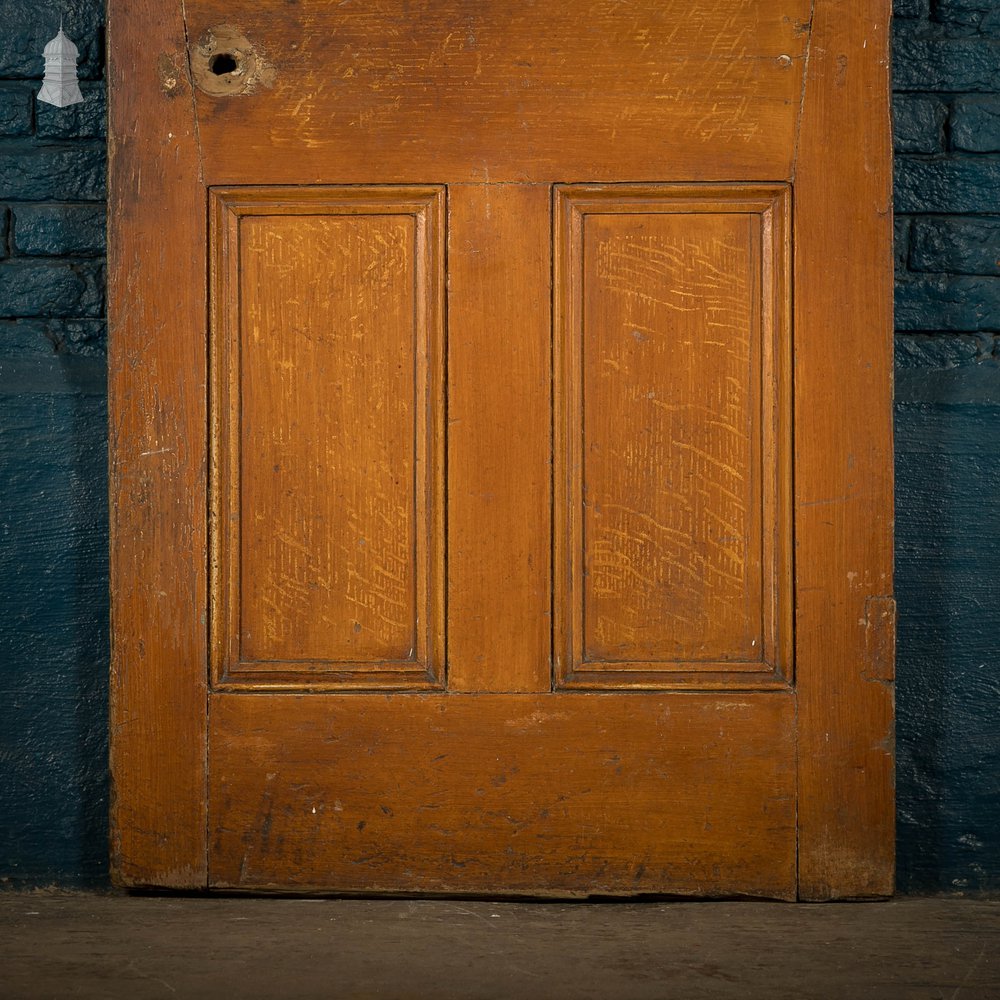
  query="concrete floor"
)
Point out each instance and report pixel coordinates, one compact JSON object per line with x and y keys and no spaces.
{"x":105,"y":946}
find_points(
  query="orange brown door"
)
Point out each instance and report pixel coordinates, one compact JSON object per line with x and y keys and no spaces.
{"x":501,"y":447}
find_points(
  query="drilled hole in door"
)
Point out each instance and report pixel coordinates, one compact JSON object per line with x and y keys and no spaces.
{"x":222,"y":64}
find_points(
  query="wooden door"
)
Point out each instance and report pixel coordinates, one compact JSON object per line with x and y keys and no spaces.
{"x":501,"y":448}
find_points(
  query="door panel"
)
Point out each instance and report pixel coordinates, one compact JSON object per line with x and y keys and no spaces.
{"x":572,"y":794}
{"x":673,"y":385}
{"x":328,"y":408}
{"x":453,"y":481}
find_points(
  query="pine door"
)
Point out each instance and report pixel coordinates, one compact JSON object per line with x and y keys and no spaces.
{"x":501,"y":447}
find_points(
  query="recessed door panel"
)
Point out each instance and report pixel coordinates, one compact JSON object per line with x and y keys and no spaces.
{"x":673,"y":533}
{"x":327,"y":350}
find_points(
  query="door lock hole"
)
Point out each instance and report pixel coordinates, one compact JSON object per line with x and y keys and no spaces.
{"x":223,"y":63}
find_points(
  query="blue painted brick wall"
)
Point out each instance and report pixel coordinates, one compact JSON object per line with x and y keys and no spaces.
{"x":53,"y":466}
{"x":946,"y":77}
{"x":53,"y":548}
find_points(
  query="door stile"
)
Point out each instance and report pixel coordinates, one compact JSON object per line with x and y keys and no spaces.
{"x":158,"y":440}
{"x":843,"y":465}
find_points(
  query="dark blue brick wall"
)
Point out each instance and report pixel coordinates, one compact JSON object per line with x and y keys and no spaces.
{"x":975,"y":124}
{"x":53,"y":479}
{"x":946,"y":73}
{"x":53,"y":464}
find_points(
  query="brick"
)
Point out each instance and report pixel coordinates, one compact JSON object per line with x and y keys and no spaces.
{"x":15,"y":111}
{"x":45,"y":288}
{"x":943,"y":350}
{"x":79,"y":337}
{"x":79,"y":121}
{"x":918,"y":123}
{"x":941,"y":302}
{"x":968,"y":184}
{"x":975,"y":124}
{"x":46,"y":229}
{"x":65,"y":172}
{"x":911,"y":8}
{"x":4,"y":229}
{"x":979,"y":15}
{"x":29,"y":24}
{"x":945,"y":64}
{"x":957,"y":245}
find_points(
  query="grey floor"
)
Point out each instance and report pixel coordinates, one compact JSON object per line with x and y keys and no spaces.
{"x":58,"y":945}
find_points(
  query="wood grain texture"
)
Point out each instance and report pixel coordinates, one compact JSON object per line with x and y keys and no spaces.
{"x":328,"y":416}
{"x":501,"y":785}
{"x":494,"y":950}
{"x":157,"y":455}
{"x":559,"y":794}
{"x":843,"y":455}
{"x":328,"y":459}
{"x":499,"y":449}
{"x":505,"y":91}
{"x":673,"y":429}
